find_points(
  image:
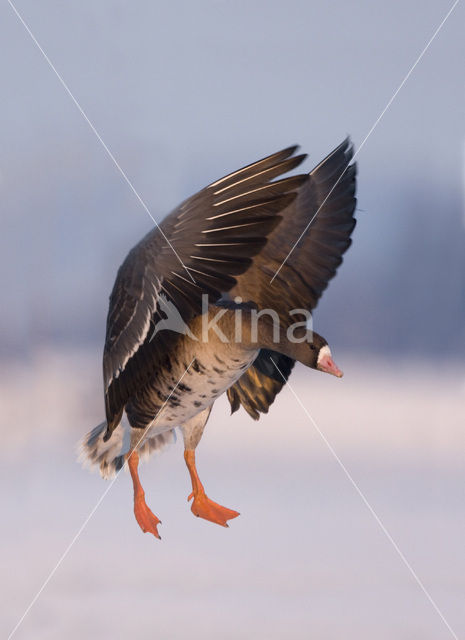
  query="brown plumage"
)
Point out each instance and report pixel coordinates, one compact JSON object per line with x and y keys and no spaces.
{"x":275,"y":243}
{"x":215,"y":234}
{"x":326,"y":201}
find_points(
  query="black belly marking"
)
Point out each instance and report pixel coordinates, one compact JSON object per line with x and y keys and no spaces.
{"x":218,"y":371}
{"x":199,"y":368}
{"x":197,"y":403}
{"x":167,"y":364}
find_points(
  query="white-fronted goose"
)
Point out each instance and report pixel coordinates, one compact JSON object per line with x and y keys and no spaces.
{"x":212,"y":302}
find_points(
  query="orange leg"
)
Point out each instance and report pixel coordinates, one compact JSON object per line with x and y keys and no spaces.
{"x":148,"y":521}
{"x":203,"y":507}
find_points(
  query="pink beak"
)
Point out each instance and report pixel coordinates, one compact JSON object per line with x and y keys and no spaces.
{"x":327,"y":365}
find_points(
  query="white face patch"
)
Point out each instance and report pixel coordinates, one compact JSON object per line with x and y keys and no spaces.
{"x":324,"y":351}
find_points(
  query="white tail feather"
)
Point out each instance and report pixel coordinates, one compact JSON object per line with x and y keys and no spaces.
{"x":109,"y":456}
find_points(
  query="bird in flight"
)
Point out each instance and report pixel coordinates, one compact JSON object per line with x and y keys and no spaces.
{"x":216,"y":299}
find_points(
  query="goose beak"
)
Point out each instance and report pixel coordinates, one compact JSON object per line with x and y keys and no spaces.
{"x":327,"y":364}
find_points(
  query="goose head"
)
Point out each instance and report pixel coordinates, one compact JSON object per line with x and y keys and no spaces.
{"x":316,"y":354}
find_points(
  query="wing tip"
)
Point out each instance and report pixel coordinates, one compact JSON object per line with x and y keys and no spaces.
{"x":346,"y":152}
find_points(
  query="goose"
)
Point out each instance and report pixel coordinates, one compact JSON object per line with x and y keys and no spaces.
{"x":214,"y":300}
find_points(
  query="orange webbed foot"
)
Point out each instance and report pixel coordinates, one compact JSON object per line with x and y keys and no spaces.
{"x":147,"y":520}
{"x":203,"y":507}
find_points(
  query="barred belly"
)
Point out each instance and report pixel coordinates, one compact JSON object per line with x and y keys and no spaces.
{"x":189,"y":383}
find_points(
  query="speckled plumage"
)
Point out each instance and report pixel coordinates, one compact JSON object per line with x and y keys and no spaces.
{"x":206,"y":371}
{"x":237,"y":235}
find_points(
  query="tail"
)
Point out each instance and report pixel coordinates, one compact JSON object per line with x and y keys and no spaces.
{"x":109,"y":456}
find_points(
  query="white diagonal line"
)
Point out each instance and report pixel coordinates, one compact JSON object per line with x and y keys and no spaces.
{"x":99,"y":502}
{"x":367,"y":504}
{"x":373,"y":127}
{"x":99,"y":138}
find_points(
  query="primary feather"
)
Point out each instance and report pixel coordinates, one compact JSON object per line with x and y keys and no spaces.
{"x":292,"y":273}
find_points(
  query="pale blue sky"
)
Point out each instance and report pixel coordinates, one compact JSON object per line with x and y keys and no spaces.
{"x":182,"y":93}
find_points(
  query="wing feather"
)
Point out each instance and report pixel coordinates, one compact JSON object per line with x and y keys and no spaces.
{"x":216,"y":233}
{"x":258,"y":387}
{"x":326,"y":201}
{"x":279,"y":281}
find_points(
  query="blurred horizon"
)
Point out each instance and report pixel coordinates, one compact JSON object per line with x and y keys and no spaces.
{"x":180,"y":107}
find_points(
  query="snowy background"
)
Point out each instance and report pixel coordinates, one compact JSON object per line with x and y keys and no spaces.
{"x":182,"y":93}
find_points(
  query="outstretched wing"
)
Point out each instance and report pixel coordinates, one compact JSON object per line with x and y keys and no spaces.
{"x":302,"y":268}
{"x":292,"y":273}
{"x":198,"y":249}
